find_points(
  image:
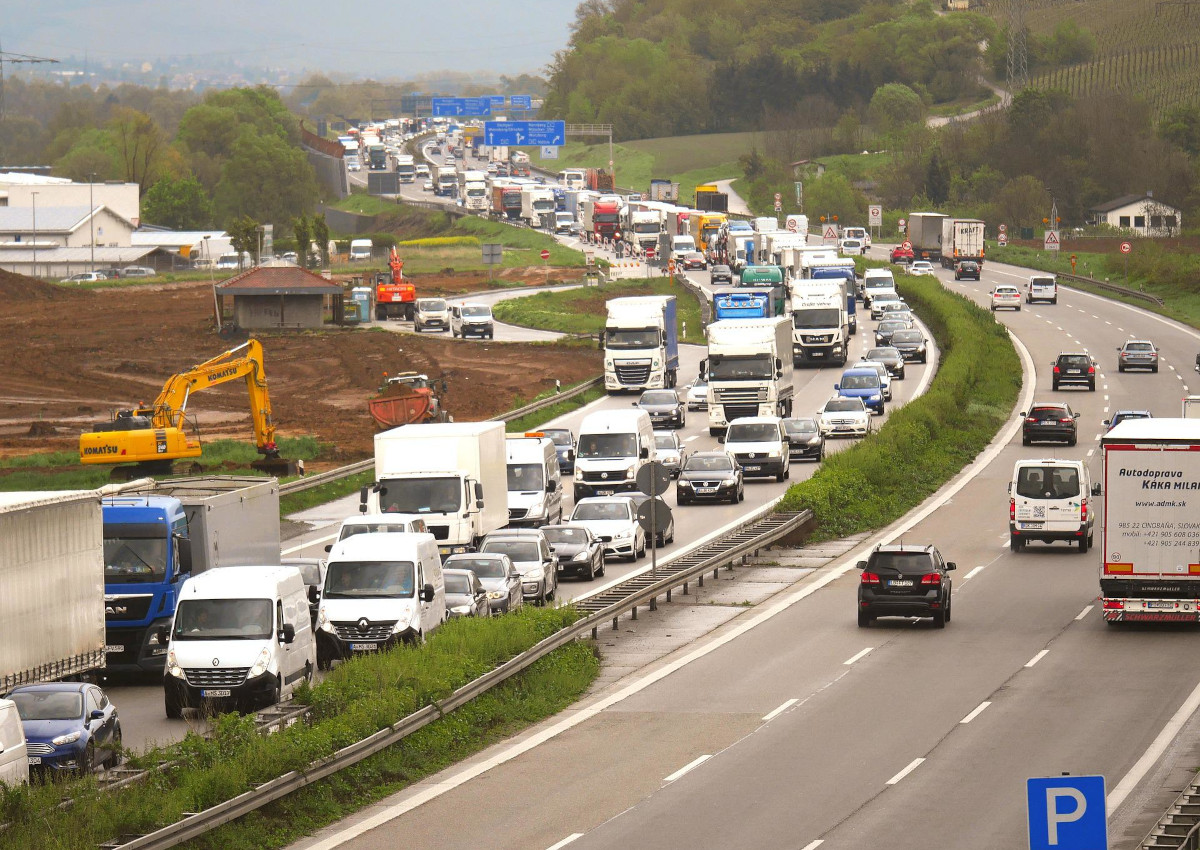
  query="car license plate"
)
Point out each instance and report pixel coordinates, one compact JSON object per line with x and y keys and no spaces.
{"x":1074,"y":371}
{"x":605,"y":492}
{"x":113,"y":647}
{"x":35,"y":759}
{"x":752,"y":468}
{"x":362,"y":647}
{"x":1032,"y":525}
{"x":212,"y":693}
{"x":706,"y":490}
{"x":900,"y":582}
{"x":1156,"y":604}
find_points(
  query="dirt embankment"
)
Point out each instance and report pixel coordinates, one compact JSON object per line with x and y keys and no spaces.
{"x":72,"y":357}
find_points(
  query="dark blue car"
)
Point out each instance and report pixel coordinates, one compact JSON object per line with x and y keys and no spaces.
{"x":864,"y":384}
{"x":69,"y":726}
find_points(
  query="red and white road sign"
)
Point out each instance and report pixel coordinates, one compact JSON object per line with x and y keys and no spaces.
{"x":1002,"y":239}
{"x":778,"y":197}
{"x":545,"y":253}
{"x":1051,"y":241}
{"x":1004,"y":228}
{"x":874,"y":216}
{"x":906,"y":245}
{"x":779,"y":206}
{"x":902,"y":222}
{"x":1126,"y":247}
{"x":649,"y":253}
{"x":830,"y":232}
{"x":792,"y":224}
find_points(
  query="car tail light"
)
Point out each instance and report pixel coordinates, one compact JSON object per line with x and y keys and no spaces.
{"x":932,"y":578}
{"x":1091,"y":370}
{"x":1012,"y":509}
{"x":870,"y":578}
{"x":1055,"y":370}
{"x":1066,"y":420}
{"x":1031,"y":419}
{"x":1083,"y":509}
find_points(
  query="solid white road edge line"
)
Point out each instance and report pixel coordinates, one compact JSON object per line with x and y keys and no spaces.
{"x":913,"y":765}
{"x":692,"y":765}
{"x":1130,"y":780}
{"x":772,"y":715}
{"x":287,"y":552}
{"x":857,"y":656}
{"x":974,"y":572}
{"x":574,"y":836}
{"x":979,"y":709}
{"x":1037,"y":658}
{"x":813,"y":845}
{"x":1084,"y":612}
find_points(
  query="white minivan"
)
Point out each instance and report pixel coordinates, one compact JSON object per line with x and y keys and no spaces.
{"x":360,"y":249}
{"x":1042,"y":287}
{"x":760,"y":446}
{"x":380,"y":524}
{"x":877,"y":282}
{"x":14,"y":759}
{"x":1048,"y":501}
{"x":613,"y":445}
{"x":380,"y":590}
{"x":535,"y":494}
{"x":241,"y":636}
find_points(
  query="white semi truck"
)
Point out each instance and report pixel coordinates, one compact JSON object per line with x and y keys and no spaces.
{"x":1151,"y":525}
{"x":962,"y":239}
{"x":820,"y":322}
{"x":406,"y":168}
{"x":749,"y":370}
{"x":537,"y":205}
{"x":452,"y":475}
{"x":641,"y":344}
{"x":474,"y":191}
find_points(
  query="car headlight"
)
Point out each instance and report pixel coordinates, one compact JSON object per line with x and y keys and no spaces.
{"x":773,"y":452}
{"x":874,"y":396}
{"x":630,"y":472}
{"x":173,"y":666}
{"x":496,"y":594}
{"x":580,"y":556}
{"x":260,"y":665}
{"x":683,"y":482}
{"x":69,"y":738}
{"x":461,"y":609}
{"x":813,"y":441}
{"x":623,"y":535}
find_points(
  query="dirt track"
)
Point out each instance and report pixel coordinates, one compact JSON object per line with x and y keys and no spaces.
{"x":73,"y":356}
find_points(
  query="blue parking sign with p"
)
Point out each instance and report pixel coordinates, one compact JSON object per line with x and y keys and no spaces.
{"x":1067,"y":813}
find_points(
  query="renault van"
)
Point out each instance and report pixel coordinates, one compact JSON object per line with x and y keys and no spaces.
{"x":613,"y":445}
{"x":1048,"y":501}
{"x":535,"y":494}
{"x":380,"y":590}
{"x":241,"y":636}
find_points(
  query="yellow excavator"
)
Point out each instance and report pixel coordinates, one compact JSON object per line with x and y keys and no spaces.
{"x":153,"y":437}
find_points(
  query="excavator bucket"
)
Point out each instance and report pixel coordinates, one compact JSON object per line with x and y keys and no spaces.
{"x":278,"y":466}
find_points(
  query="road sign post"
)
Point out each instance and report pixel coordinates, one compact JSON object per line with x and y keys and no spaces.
{"x":1126,"y":249}
{"x":1051,"y":241}
{"x":545,"y":253}
{"x":493,"y":253}
{"x":1067,"y":813}
{"x":653,"y":479}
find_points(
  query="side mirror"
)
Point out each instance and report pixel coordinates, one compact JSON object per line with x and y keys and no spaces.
{"x":479,"y":503}
{"x":635,"y":404}
{"x":704,"y":368}
{"x":96,"y":714}
{"x":328,"y":547}
{"x":837,"y":386}
{"x":362,"y":500}
{"x":551,"y":486}
{"x":644,"y":453}
{"x":314,"y":595}
{"x":862,"y":565}
{"x":1095,"y":489}
{"x":950,"y":565}
{"x":287,"y":634}
{"x":1108,"y":422}
{"x":427,"y":593}
{"x":1074,"y":415}
{"x":721,"y":438}
{"x":1023,"y":413}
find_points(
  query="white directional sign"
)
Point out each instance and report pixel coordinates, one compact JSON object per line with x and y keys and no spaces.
{"x":1051,"y":241}
{"x":874,"y":216}
{"x":549,"y":152}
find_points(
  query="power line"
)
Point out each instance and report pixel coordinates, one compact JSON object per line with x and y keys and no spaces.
{"x":1018,"y":50}
{"x":13,"y":58}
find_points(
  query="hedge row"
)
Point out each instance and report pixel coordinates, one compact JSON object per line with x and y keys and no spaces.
{"x":930,"y":439}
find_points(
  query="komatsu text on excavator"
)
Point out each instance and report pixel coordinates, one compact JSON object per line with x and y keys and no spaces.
{"x":154,"y":437}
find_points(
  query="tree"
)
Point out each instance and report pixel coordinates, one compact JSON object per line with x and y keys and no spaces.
{"x":266,"y":178}
{"x":320,"y":234}
{"x":92,"y":153}
{"x":894,"y":107}
{"x":1023,"y":201}
{"x":179,"y":203}
{"x":1180,"y":126}
{"x":833,"y":195}
{"x":243,"y":236}
{"x":140,"y":144}
{"x":303,"y":240}
{"x":937,"y":180}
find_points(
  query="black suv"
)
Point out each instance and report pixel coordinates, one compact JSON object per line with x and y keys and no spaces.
{"x":965,"y":269}
{"x":1074,"y":368}
{"x":1050,"y":421}
{"x":905,"y":581}
{"x":721,"y":274}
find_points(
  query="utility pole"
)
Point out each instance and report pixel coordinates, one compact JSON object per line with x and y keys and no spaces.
{"x":92,"y":218}
{"x":13,"y":58}
{"x":1018,"y":51}
{"x":34,"y":195}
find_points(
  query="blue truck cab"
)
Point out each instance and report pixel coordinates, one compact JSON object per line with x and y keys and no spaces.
{"x":560,"y":199}
{"x":748,"y":303}
{"x":147,"y":556}
{"x":847,"y":273}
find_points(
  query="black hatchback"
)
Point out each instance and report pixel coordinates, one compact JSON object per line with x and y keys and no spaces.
{"x":720,"y":274}
{"x":1074,"y":368}
{"x":905,"y":581}
{"x":805,"y":439}
{"x":1050,"y":422}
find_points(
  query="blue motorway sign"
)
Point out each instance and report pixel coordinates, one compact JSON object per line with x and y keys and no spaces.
{"x":521,"y":101}
{"x":496,"y":99}
{"x":477,"y":106}
{"x":446,"y":106}
{"x":1067,"y":813}
{"x":541,"y":133}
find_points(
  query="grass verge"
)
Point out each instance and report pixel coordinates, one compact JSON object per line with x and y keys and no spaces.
{"x":582,"y":311}
{"x":533,"y":420}
{"x":357,"y":699}
{"x":930,"y":439}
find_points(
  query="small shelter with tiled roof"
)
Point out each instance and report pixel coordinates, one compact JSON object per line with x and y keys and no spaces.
{"x":279,"y":296}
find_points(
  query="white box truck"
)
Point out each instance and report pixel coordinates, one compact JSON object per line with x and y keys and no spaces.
{"x":641,"y":343}
{"x":537,"y":205}
{"x":52,"y":580}
{"x":749,"y":370}
{"x":453,"y":475}
{"x":1150,"y":561}
{"x":962,"y":239}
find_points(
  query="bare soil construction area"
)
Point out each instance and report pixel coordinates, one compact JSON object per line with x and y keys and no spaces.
{"x":72,"y":357}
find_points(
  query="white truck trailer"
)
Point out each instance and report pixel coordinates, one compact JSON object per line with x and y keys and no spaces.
{"x":475,"y":191}
{"x":1150,"y":560}
{"x":749,"y":370}
{"x":962,"y":239}
{"x":453,"y":475}
{"x":52,"y":575}
{"x":641,"y":344}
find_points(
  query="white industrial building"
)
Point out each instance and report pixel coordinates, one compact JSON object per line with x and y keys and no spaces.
{"x":18,"y":189}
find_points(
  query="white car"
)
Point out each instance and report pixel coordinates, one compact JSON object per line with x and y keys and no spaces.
{"x":353,"y":165}
{"x":613,"y":520}
{"x":844,"y":417}
{"x":1006,"y":296}
{"x":849,"y":247}
{"x":84,"y":277}
{"x":697,"y":395}
{"x":669,"y":448}
{"x":884,"y":378}
{"x":920,"y":267}
{"x":427,"y":186}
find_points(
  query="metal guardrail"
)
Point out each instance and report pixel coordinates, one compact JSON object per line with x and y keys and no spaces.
{"x":1179,"y":827}
{"x":1110,"y":287}
{"x":628,"y":596}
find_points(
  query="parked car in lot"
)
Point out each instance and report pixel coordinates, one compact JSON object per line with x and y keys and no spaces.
{"x":694,"y":260}
{"x":719,"y":274}
{"x":1006,"y":296}
{"x":84,"y":277}
{"x":496,"y":573}
{"x":697,"y":395}
{"x":1137,"y":354}
{"x":664,"y":408}
{"x":564,"y":447}
{"x":670,"y":451}
{"x":70,"y":727}
{"x":1049,"y":422}
{"x":966,"y":270}
{"x":710,"y":477}
{"x":890,"y":357}
{"x":1074,"y":368}
{"x":920,"y":267}
{"x":614,"y":521}
{"x":905,"y":581}
{"x":844,"y":417}
{"x":805,"y":440}
{"x":465,"y":594}
{"x":911,"y":345}
{"x":579,"y":551}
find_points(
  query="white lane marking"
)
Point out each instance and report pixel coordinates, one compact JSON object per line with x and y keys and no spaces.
{"x":1096,"y":438}
{"x":857,"y":656}
{"x":913,"y":765}
{"x":693,"y":437}
{"x":1177,"y":375}
{"x":975,"y":571}
{"x":1081,"y":310}
{"x":1094,"y":316}
{"x":1085,"y":612}
{"x":780,"y":710}
{"x":1058,"y":327}
{"x":1037,"y":658}
{"x":1107,"y":322}
{"x":813,"y":845}
{"x":1120,"y":329}
{"x":1106,"y":399}
{"x":1091,"y":452}
{"x":1169,"y":366}
{"x":979,"y":709}
{"x":1130,"y":780}
{"x":692,"y":765}
{"x":306,"y":545}
{"x":574,"y":836}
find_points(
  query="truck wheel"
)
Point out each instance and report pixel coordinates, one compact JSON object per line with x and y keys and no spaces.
{"x":1015,"y":542}
{"x":1083,"y":544}
{"x":171,"y":704}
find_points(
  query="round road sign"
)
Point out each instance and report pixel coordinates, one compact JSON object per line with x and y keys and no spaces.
{"x":901,"y":222}
{"x":1126,"y":247}
{"x":653,"y":479}
{"x":649,"y":253}
{"x":1002,"y":239}
{"x":651,"y":523}
{"x":906,"y":245}
{"x":778,"y":197}
{"x":1004,"y":228}
{"x":545,"y":253}
{"x":792,"y":225}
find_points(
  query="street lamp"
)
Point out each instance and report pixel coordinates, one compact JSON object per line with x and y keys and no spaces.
{"x":212,"y":280}
{"x":34,"y":195}
{"x":92,"y":218}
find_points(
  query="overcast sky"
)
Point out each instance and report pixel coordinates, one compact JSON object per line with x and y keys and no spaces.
{"x":363,"y":37}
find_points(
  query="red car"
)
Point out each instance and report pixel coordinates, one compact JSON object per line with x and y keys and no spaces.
{"x":900,"y":254}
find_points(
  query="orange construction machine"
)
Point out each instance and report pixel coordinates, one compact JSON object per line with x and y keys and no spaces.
{"x":395,"y":297}
{"x":403,"y":399}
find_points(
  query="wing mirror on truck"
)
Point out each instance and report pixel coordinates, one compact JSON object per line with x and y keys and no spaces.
{"x":644,"y":453}
{"x":1095,"y":489}
{"x":287,"y":634}
{"x":362,"y":500}
{"x":427,"y":593}
{"x":704,"y":368}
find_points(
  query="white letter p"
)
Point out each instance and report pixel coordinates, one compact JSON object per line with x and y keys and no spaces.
{"x":1054,"y":817}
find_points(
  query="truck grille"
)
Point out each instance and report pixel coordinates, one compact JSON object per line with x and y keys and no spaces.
{"x":739,"y":411}
{"x":731,"y":395}
{"x":127,"y":608}
{"x":439,"y":532}
{"x":617,"y":477}
{"x":817,"y":339}
{"x":632,"y":375}
{"x":517,"y":513}
{"x":381,"y":630}
{"x":216,"y":677}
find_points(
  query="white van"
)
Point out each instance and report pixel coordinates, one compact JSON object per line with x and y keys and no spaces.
{"x":760,"y":446}
{"x":681,"y":245}
{"x":360,"y":249}
{"x":14,"y":759}
{"x":534,"y":481}
{"x":241,"y":636}
{"x":613,"y":445}
{"x":876,"y":282}
{"x":380,"y":524}
{"x":380,"y":590}
{"x":1048,"y":501}
{"x":1042,"y":287}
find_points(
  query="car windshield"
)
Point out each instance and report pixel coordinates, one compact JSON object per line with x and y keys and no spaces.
{"x":369,"y":580}
{"x":1138,"y":346}
{"x":665,"y":441}
{"x":819,"y":318}
{"x":460,"y":585}
{"x":421,"y":496}
{"x":1043,"y":482}
{"x":135,"y":553}
{"x":754,"y":367}
{"x":608,"y":445}
{"x":883,"y":353}
{"x":517,"y":550}
{"x":471,"y":310}
{"x":482,"y":567}
{"x":860,"y":382}
{"x":893,"y":325}
{"x":659,"y":397}
{"x":48,"y":705}
{"x":601,"y":511}
{"x":905,"y":335}
{"x":1007,"y":290}
{"x":559,"y":438}
{"x":565,"y":535}
{"x":223,"y":619}
{"x":799,"y":426}
{"x":757,"y":432}
{"x":708,"y":464}
{"x":625,"y":339}
{"x":432,"y":304}
{"x":526,"y":477}
{"x":846,"y":405}
{"x":901,"y":562}
{"x":700,"y":385}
